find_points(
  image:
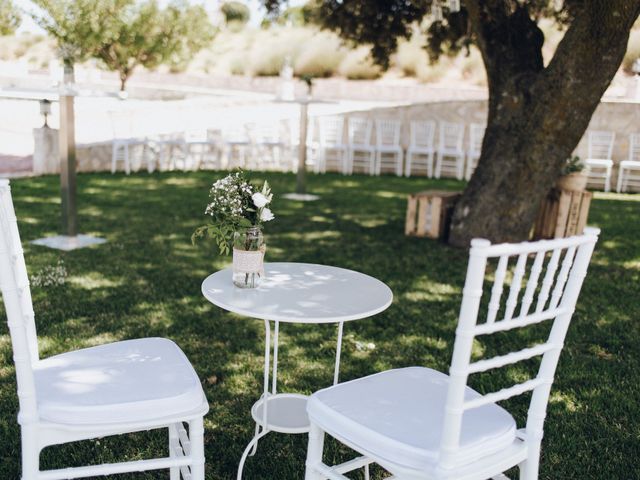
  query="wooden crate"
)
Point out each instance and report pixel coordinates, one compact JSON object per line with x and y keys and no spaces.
{"x":563,"y":213}
{"x":429,"y":213}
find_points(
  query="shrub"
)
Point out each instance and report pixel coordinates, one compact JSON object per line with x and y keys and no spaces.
{"x":321,"y":56}
{"x":472,"y":67}
{"x":358,"y":65}
{"x":633,"y":51}
{"x":235,"y":12}
{"x":411,"y":56}
{"x":433,"y":73}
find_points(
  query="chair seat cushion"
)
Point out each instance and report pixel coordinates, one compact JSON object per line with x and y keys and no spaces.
{"x":132,"y":380}
{"x":398,"y":415}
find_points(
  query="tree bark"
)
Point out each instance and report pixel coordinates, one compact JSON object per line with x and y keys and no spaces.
{"x":537,"y":114}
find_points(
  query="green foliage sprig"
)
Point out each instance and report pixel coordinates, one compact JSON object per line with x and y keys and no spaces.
{"x":573,"y":165}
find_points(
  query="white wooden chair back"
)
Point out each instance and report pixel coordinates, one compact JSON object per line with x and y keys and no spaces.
{"x":14,"y":284}
{"x":561,"y":265}
{"x":422,"y":134}
{"x":451,"y":136}
{"x":476,"y":135}
{"x":601,"y":145}
{"x":331,"y":131}
{"x":634,"y":147}
{"x":359,"y":130}
{"x":388,"y":132}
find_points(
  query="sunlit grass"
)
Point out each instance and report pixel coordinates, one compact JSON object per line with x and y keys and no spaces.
{"x":146,"y":282}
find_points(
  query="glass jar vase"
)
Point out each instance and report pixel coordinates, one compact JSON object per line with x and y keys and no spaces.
{"x":248,"y":257}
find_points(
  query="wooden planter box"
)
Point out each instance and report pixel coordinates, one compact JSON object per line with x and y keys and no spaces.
{"x":563,"y":213}
{"x":429,"y":213}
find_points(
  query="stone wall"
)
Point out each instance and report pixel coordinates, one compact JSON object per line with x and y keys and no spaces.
{"x":621,"y":117}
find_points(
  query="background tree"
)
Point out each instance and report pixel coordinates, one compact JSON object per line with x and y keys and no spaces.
{"x":79,"y":27}
{"x":537,"y":113}
{"x":235,"y":12}
{"x":146,"y":35}
{"x":9,"y":17}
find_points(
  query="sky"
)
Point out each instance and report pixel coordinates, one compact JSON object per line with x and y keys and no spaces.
{"x":257,"y":11}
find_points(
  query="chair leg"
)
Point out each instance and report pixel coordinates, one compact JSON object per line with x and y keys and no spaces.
{"x":314,"y":452}
{"x":460,"y":167}
{"x":372,"y":163}
{"x":30,"y":453}
{"x":607,"y":180}
{"x":399,"y":163}
{"x":430,"y":166}
{"x":619,"y":184}
{"x":438,"y":165}
{"x":196,"y":437}
{"x":127,"y":166}
{"x":114,"y":157}
{"x":407,"y":167}
{"x":174,"y":472}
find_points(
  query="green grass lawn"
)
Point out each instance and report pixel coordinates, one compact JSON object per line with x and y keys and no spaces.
{"x":146,"y":282}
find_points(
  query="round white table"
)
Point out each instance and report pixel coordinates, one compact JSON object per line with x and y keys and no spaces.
{"x":295,"y":293}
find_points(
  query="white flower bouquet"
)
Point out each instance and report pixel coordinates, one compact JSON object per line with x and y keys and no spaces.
{"x":234,"y":205}
{"x":237,"y":210}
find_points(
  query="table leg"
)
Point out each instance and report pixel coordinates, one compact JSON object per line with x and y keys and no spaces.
{"x":274,"y":379}
{"x":336,"y":371}
{"x":261,"y":431}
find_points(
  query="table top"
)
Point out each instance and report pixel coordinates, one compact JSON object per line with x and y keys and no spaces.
{"x":301,"y":293}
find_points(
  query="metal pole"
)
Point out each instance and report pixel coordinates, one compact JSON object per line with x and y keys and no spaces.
{"x":301,"y":187}
{"x":68,"y":155}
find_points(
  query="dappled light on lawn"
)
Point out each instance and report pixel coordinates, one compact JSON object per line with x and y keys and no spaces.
{"x":146,"y":282}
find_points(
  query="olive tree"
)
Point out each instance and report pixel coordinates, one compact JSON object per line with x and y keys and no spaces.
{"x":537,"y":112}
{"x":9,"y":17}
{"x":145,"y":35}
{"x":79,"y":27}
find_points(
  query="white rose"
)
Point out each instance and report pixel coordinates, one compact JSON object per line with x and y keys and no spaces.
{"x":259,"y":200}
{"x":266,"y":215}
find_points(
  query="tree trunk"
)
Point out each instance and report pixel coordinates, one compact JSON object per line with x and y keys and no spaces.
{"x":537,"y":115}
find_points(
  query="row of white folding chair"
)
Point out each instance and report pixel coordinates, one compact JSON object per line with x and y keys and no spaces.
{"x":629,"y":170}
{"x":449,"y":152}
{"x":359,"y":152}
{"x":182,"y":151}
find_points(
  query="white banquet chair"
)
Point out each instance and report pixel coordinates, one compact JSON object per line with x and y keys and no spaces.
{"x":450,"y":154}
{"x":360,"y":150}
{"x":172,"y":151}
{"x":111,"y":389}
{"x":421,"y":147}
{"x":124,"y":143}
{"x":599,"y":160}
{"x":629,"y":170}
{"x":237,"y":144}
{"x":331,"y":141}
{"x":268,"y":146}
{"x":388,"y":145}
{"x":476,"y":135}
{"x":418,"y":423}
{"x":292,"y":130}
